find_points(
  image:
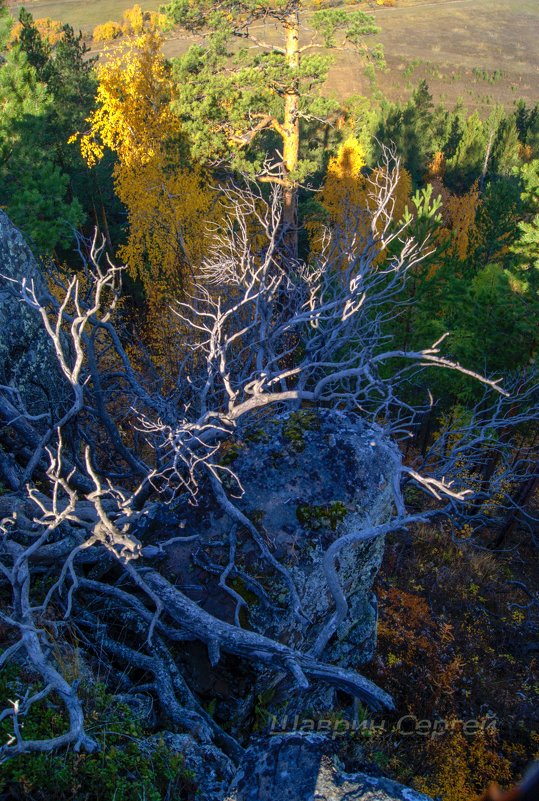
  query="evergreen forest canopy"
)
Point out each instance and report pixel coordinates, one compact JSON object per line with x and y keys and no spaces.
{"x":281,"y":248}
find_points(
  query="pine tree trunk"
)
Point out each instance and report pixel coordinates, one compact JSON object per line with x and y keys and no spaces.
{"x":291,"y":135}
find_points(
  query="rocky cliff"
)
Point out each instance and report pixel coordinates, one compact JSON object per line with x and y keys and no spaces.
{"x":29,"y":372}
{"x":27,"y":361}
{"x":297,"y":767}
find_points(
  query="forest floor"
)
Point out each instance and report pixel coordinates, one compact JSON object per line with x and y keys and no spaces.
{"x":457,"y":644}
{"x":479,"y":52}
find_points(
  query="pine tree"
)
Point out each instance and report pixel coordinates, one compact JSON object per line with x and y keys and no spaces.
{"x":467,"y":163}
{"x":410,"y":128}
{"x":526,"y":247}
{"x":6,"y":24}
{"x":60,"y":79}
{"x":525,"y":120}
{"x":497,"y":219}
{"x":230,"y":101}
{"x":33,"y":188}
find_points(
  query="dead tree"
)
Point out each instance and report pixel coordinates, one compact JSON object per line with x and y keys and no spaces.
{"x":258,"y":333}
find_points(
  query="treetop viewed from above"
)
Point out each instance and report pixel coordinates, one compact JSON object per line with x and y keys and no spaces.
{"x":269,"y":400}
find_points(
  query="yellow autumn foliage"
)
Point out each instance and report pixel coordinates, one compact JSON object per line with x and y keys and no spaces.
{"x":436,"y":168}
{"x":49,"y":29}
{"x":134,"y":22}
{"x":133,"y":116}
{"x":460,"y":767}
{"x":461,"y":211}
{"x":167,"y":204}
{"x":344,"y":189}
{"x":347,"y":194}
{"x":168,"y":234}
{"x":107,"y":32}
{"x":525,"y":153}
{"x":401,"y":194}
{"x":459,"y":214}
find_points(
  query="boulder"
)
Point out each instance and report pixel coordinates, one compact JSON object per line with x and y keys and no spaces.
{"x":212,"y":771}
{"x":309,"y":477}
{"x":303,"y":478}
{"x":300,"y":767}
{"x":27,"y":359}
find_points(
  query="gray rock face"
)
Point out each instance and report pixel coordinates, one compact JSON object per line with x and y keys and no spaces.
{"x":307,"y":478}
{"x":296,"y":767}
{"x":27,"y":359}
{"x":211,"y":769}
{"x":311,"y":477}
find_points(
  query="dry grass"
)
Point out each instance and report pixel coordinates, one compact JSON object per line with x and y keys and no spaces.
{"x":478,"y":51}
{"x":79,"y":13}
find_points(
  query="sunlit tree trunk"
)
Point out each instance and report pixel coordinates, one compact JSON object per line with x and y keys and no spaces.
{"x":291,"y":133}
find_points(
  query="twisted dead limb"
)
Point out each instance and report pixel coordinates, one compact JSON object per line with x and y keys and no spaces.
{"x":177,"y":702}
{"x":221,"y":636}
{"x":257,"y":335}
{"x":34,"y":644}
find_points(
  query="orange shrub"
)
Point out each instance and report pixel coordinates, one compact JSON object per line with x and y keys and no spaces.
{"x":49,"y":29}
